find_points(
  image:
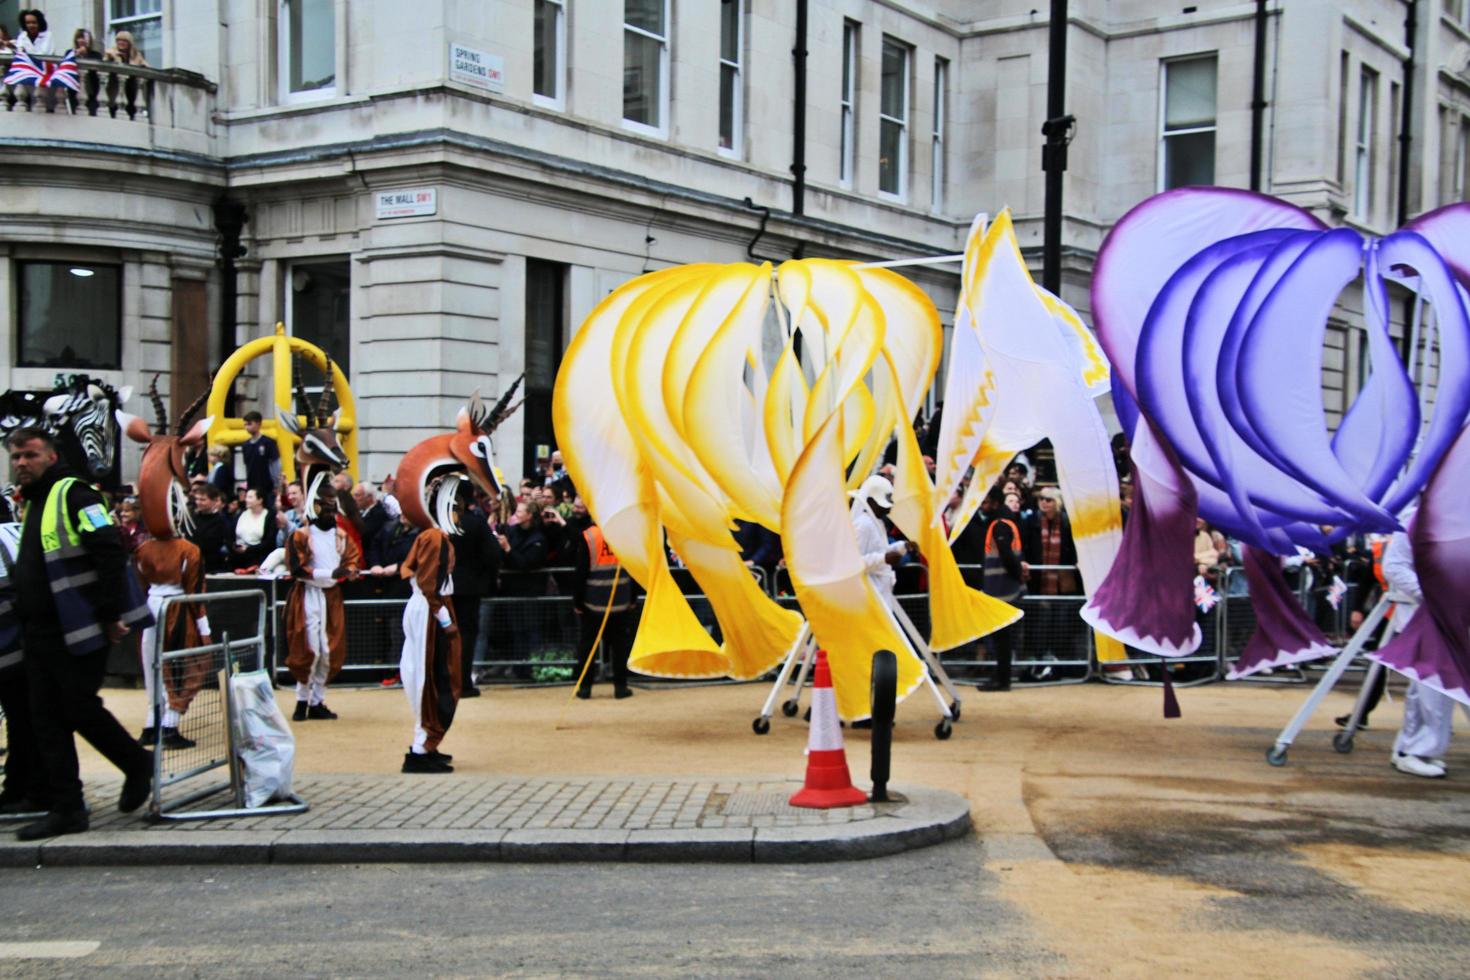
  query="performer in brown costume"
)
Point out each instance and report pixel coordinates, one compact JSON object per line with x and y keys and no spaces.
{"x":429,"y":480}
{"x":318,"y":557}
{"x":169,"y":565}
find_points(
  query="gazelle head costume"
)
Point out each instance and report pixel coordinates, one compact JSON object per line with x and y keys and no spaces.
{"x":318,"y":454}
{"x":431,"y":473}
{"x":163,"y":483}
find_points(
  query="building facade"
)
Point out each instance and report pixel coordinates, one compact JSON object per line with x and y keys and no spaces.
{"x":439,"y":192}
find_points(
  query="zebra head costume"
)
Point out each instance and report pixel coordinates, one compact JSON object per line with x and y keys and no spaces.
{"x":79,"y":414}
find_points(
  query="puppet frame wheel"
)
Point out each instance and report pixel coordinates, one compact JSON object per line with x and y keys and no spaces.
{"x":761,"y":725}
{"x":944,"y":729}
{"x":1343,"y":742}
{"x":790,"y":707}
{"x":1276,"y":755}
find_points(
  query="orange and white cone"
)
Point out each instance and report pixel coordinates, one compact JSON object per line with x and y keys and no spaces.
{"x":828,"y":783}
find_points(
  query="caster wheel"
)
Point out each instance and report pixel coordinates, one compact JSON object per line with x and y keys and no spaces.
{"x":954,"y":709}
{"x":761,"y":725}
{"x":943,"y":730}
{"x":789,"y":708}
{"x":1276,"y":755}
{"x":1342,"y":742}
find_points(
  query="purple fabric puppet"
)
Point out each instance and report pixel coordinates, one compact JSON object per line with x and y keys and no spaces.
{"x":1434,"y":648}
{"x":1212,"y":304}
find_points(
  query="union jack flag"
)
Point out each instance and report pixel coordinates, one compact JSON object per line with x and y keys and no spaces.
{"x":1205,"y":596}
{"x":63,"y":74}
{"x":26,"y":70}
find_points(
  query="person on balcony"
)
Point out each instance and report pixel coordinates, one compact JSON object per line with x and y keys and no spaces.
{"x":35,"y":33}
{"x":124,"y":52}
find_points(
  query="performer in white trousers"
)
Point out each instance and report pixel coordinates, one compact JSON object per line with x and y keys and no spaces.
{"x":1428,"y":715}
{"x":430,"y":664}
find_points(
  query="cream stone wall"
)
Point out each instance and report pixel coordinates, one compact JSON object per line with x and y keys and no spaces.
{"x":437,"y":302}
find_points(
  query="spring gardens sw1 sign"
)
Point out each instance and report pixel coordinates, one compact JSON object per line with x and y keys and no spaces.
{"x":476,"y":68}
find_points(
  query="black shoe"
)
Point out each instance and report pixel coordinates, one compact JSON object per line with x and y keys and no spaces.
{"x":424,"y":764}
{"x":622,"y":692}
{"x":300,"y":713}
{"x":585,"y":693}
{"x":994,"y":684}
{"x":1342,"y":722}
{"x":54,"y":825}
{"x":12,"y":805}
{"x":438,"y":756}
{"x":320,"y":712}
{"x":470,"y":692}
{"x":862,"y":723}
{"x":135,"y":791}
{"x":148,"y":738}
{"x":173,"y":740}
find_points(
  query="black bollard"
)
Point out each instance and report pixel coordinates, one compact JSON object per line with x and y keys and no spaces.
{"x":884,"y":694}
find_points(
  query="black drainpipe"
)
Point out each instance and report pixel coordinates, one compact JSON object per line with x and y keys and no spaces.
{"x":229,"y":219}
{"x":798,"y":124}
{"x":1258,"y":97}
{"x":1406,"y":139}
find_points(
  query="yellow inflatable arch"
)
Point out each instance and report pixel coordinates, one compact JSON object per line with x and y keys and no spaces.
{"x":231,"y":431}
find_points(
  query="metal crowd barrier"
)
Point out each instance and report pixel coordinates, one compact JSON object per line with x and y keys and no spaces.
{"x":207,"y":719}
{"x":533,"y":639}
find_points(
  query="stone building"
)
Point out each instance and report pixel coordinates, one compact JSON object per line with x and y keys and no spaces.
{"x":438,"y":192}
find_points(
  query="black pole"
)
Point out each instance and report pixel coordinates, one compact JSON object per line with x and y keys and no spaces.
{"x":1058,"y":132}
{"x":883,"y":701}
{"x":229,"y":220}
{"x":798,"y":124}
{"x":1258,"y":97}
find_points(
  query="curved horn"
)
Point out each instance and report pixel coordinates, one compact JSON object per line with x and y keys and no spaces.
{"x":302,"y":398}
{"x":500,"y":412}
{"x":329,"y":389}
{"x":158,"y":409}
{"x":194,"y":407}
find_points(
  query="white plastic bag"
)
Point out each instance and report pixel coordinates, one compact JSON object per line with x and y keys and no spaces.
{"x":267,"y":747}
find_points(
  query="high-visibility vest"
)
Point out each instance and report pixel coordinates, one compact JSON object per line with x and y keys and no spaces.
{"x":73,"y":576}
{"x":602,"y":570}
{"x":998,"y":581}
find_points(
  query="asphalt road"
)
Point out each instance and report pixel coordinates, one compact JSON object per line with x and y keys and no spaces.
{"x":944,"y":911}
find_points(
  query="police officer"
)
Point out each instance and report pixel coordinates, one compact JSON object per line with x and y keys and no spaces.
{"x":602,"y":588}
{"x":74,"y":599}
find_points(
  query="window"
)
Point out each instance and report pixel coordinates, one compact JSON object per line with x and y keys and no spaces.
{"x":848,"y":142}
{"x":70,"y":315}
{"x":731,"y":104}
{"x":645,"y":63}
{"x":893,"y":119}
{"x":1363,"y":144}
{"x":308,"y":49}
{"x":1187,"y":138}
{"x":941,"y":104}
{"x":545,"y":327}
{"x":141,"y":18}
{"x":319,"y":307}
{"x":549,"y":60}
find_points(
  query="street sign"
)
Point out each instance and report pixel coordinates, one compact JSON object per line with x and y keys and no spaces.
{"x":478,"y":68}
{"x":406,"y":203}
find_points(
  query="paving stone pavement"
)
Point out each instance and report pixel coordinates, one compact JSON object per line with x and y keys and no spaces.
{"x":420,"y":818}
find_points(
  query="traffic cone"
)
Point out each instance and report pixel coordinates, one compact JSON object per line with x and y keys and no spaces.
{"x":828,"y":783}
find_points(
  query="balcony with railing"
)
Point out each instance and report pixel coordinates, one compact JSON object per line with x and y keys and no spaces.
{"x":126,"y":106}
